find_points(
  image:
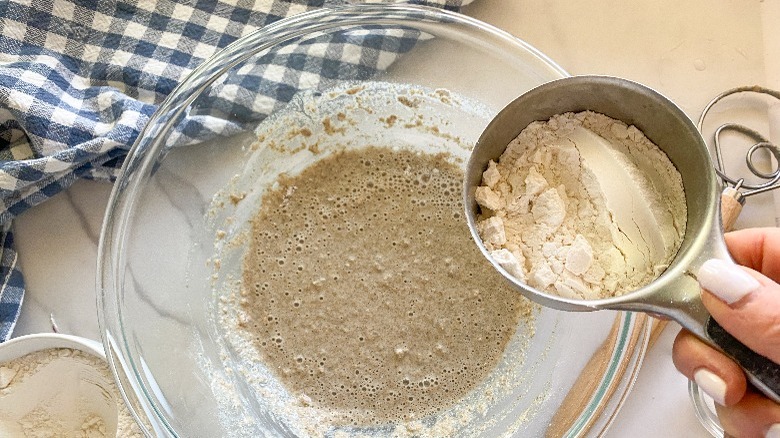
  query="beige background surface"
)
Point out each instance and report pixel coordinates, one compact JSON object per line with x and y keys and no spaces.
{"x":689,"y":50}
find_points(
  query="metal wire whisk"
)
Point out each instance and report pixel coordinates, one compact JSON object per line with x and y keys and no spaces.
{"x":736,"y":189}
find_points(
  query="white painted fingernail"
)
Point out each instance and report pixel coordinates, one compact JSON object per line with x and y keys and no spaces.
{"x":711,"y":384}
{"x":726,"y":280}
{"x":773,"y":431}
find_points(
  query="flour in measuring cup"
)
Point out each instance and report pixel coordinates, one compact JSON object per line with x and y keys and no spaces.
{"x":582,"y":206}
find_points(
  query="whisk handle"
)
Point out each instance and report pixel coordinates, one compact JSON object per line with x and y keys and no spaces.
{"x":731,"y":202}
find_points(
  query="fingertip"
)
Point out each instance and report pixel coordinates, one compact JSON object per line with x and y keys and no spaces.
{"x":711,"y":384}
{"x":726,"y":280}
{"x":713,"y":372}
{"x":773,"y":431}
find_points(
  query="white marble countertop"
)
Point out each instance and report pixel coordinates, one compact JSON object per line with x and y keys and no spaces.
{"x":690,"y":51}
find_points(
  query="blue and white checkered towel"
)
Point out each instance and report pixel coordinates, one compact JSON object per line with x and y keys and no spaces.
{"x":79,"y":79}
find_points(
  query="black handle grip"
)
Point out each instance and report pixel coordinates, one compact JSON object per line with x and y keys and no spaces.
{"x":762,"y":372}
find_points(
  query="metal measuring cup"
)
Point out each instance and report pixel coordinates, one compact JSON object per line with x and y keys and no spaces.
{"x":675,"y":293}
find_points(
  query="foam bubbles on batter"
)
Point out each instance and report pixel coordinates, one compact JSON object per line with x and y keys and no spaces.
{"x":365,"y":293}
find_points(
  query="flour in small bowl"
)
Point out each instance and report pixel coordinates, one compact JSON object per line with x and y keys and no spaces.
{"x":64,"y":393}
{"x":582,"y":206}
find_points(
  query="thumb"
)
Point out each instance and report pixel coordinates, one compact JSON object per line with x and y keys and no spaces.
{"x":745,"y":303}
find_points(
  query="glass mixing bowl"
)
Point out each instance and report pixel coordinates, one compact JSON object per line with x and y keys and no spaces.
{"x":171,"y":244}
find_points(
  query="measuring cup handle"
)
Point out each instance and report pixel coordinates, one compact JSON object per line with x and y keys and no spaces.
{"x":761,"y":372}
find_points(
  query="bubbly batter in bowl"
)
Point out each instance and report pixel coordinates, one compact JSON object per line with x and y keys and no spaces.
{"x":365,"y":294}
{"x":350,"y":298}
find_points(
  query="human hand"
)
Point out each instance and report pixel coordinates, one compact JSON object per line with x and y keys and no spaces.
{"x":746,"y":302}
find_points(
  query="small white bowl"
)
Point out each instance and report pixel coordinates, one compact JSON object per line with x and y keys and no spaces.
{"x":22,"y":345}
{"x":67,"y":390}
